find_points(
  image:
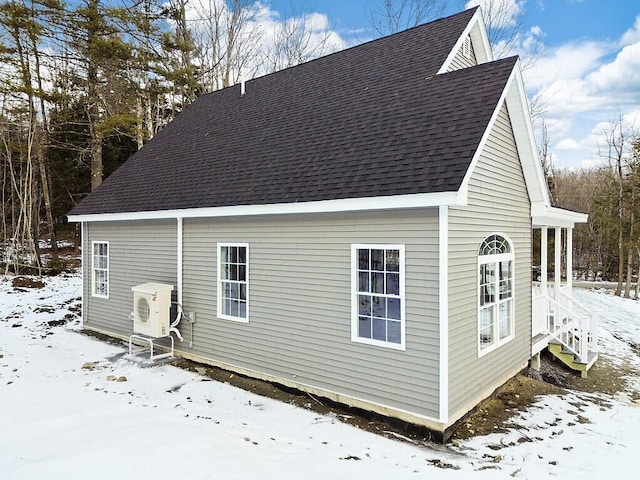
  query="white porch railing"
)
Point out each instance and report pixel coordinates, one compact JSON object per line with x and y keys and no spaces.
{"x":564,"y":320}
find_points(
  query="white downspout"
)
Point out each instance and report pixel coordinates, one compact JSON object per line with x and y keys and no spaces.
{"x":179,"y":260}
{"x":174,"y":328}
{"x":85,"y":274}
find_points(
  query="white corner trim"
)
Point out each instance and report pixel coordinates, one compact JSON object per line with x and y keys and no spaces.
{"x":443,"y":294}
{"x":391,"y":202}
{"x":477,"y":31}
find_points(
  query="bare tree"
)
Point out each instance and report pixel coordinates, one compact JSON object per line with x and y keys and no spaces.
{"x":227,"y":40}
{"x":617,"y":152}
{"x":296,"y":40}
{"x":546,"y":159}
{"x":390,"y":16}
{"x":23,"y":23}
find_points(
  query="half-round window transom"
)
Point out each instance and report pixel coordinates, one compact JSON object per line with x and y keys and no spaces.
{"x":494,"y":245}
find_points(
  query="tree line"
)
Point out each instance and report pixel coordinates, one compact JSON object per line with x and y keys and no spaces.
{"x":85,"y":84}
{"x":608,"y":246}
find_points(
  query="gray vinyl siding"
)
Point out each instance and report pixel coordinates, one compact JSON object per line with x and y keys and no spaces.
{"x":300,"y":303}
{"x":139,"y":252}
{"x":498,"y":202}
{"x":461,"y":60}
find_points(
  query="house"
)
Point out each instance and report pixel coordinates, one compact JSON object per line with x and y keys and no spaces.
{"x":359,"y":227}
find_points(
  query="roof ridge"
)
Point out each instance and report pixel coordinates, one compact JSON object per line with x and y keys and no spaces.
{"x":468,"y":12}
{"x":358,"y":125}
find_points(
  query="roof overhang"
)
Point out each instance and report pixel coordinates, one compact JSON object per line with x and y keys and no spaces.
{"x":418,"y":200}
{"x":477,"y":31}
{"x":545,"y":216}
{"x":515,"y":98}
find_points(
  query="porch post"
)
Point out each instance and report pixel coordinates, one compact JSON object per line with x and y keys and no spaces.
{"x":569,"y":259}
{"x":557,"y":269}
{"x":543,"y":260}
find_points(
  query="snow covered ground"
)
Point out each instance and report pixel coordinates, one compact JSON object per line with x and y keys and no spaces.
{"x":73,"y":407}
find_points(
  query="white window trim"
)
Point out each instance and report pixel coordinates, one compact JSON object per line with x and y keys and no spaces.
{"x":354,"y":296}
{"x":93,"y":268}
{"x":496,"y":328}
{"x":219,"y":282}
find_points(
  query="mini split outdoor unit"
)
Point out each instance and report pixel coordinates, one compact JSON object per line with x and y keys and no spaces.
{"x":151,"y":307}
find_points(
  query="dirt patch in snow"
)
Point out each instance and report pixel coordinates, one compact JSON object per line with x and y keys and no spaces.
{"x":495,"y":413}
{"x":363,"y":419}
{"x":492,"y":415}
{"x":26,"y":282}
{"x":604,"y":377}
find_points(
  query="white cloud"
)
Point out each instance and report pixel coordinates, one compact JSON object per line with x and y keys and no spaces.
{"x":502,"y":13}
{"x":568,"y":61}
{"x":633,"y":34}
{"x":568,"y":144}
{"x":583,"y":85}
{"x":621,"y":76}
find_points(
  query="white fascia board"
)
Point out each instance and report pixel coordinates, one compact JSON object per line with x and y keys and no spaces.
{"x":479,"y":39}
{"x":546,"y":216}
{"x":464,"y":187}
{"x":392,"y":202}
{"x":520,"y":115}
{"x":516,"y":100}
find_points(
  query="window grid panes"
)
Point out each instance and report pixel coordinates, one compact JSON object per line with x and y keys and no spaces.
{"x":378,"y":294}
{"x":495,"y":290}
{"x":494,"y":245}
{"x":233,"y":281}
{"x":100,"y":270}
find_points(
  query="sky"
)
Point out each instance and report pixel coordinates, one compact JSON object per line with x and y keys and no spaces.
{"x":586,"y":74}
{"x":73,"y":407}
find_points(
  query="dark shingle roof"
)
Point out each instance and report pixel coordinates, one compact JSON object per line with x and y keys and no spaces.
{"x":372,"y":120}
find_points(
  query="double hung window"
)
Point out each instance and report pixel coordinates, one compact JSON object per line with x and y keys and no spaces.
{"x":378,"y":295}
{"x":233,"y":281}
{"x":100,"y":269}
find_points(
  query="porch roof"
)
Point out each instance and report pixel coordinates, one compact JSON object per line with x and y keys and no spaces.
{"x":546,"y":216}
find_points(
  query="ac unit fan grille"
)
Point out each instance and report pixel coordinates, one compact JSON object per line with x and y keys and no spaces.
{"x":143,"y":309}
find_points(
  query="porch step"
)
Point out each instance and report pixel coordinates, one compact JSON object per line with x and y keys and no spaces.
{"x":569,"y":359}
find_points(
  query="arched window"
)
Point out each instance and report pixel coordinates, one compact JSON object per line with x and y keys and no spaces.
{"x":495,"y":293}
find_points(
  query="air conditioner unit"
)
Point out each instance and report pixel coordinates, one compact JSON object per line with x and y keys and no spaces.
{"x":151,"y":307}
